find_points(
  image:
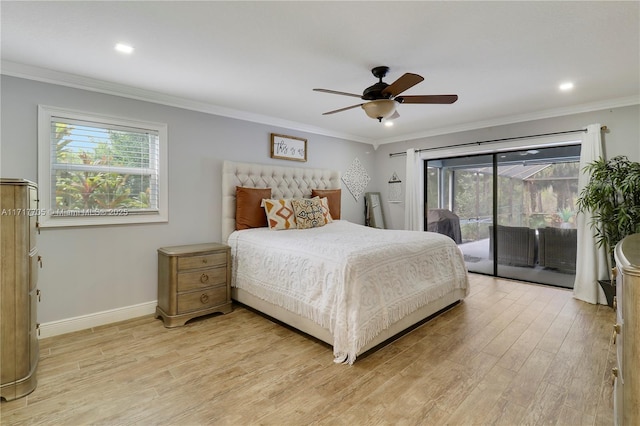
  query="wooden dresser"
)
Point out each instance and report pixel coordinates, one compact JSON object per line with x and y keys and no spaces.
{"x":626,"y":396}
{"x":18,"y":287}
{"x":193,"y":280}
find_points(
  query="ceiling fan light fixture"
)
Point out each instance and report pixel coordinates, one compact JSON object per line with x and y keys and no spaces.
{"x":380,"y":108}
{"x":383,"y":99}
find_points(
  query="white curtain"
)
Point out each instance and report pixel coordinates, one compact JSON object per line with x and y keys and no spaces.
{"x":591,"y":262}
{"x":413,"y":209}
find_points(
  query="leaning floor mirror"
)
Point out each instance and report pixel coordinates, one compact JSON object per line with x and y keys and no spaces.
{"x":374,"y":216}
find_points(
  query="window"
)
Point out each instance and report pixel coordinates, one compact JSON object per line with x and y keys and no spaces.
{"x":99,"y":170}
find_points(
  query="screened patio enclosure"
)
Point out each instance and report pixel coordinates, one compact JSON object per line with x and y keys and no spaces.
{"x":515,"y":210}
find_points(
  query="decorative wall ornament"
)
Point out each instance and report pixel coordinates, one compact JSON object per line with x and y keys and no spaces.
{"x":356,"y":179}
{"x":395,"y":189}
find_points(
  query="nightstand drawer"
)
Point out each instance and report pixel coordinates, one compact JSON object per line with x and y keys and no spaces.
{"x":204,"y":261}
{"x":202,"y":278}
{"x":204,"y":299}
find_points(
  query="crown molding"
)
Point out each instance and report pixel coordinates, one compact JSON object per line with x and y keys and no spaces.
{"x":513,"y":119}
{"x":45,"y":75}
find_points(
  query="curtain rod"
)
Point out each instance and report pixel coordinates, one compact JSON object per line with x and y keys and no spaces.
{"x":395,"y":154}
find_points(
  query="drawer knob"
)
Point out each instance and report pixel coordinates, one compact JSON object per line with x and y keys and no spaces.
{"x":204,"y":278}
{"x":616,"y":331}
{"x":204,"y":260}
{"x":204,"y":298}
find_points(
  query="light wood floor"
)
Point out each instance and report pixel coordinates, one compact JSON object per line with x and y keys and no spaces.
{"x":511,"y":353}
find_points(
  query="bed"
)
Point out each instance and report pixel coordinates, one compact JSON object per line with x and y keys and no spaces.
{"x":348,"y":285}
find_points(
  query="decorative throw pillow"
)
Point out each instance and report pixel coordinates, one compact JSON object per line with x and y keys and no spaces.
{"x":334,"y":197}
{"x":249,"y":214}
{"x":325,"y":209}
{"x":280,"y":214}
{"x":308,"y":213}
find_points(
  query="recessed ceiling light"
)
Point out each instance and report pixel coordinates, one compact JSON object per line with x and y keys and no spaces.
{"x":388,"y":123}
{"x":566,"y":86}
{"x":124,"y":48}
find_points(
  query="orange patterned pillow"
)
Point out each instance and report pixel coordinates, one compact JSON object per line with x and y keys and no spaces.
{"x":280,"y":214}
{"x":334,"y":197}
{"x":324,"y":202}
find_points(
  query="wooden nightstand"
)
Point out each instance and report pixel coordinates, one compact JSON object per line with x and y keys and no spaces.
{"x":193,"y":280}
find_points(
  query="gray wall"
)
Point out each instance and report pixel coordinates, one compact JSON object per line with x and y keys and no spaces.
{"x":94,"y":269}
{"x":622,"y":138}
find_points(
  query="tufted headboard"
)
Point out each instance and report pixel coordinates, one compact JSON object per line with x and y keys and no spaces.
{"x":285,"y":182}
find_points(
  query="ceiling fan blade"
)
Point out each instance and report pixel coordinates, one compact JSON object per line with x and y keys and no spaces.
{"x":405,"y":82}
{"x":428,"y":99}
{"x":342,"y":109}
{"x":335,"y":92}
{"x":394,"y":116}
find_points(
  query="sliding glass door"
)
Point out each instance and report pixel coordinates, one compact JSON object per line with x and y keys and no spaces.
{"x":460,"y":190}
{"x":515,"y":211}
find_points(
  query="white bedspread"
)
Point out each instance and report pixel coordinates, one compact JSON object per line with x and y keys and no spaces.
{"x":350,"y":279}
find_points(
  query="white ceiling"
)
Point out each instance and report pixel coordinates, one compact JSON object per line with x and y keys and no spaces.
{"x":261,"y":60}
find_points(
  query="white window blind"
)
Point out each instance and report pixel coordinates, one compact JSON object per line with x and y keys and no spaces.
{"x":102,"y":169}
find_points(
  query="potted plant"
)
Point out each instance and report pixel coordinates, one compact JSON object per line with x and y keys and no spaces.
{"x":612,"y":197}
{"x":565,"y":216}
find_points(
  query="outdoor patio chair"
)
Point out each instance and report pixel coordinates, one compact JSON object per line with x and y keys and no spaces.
{"x":516,"y":245}
{"x":558,"y":248}
{"x":444,"y":222}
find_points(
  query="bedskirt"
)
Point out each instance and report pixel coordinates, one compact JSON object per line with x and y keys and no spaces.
{"x":352,"y":280}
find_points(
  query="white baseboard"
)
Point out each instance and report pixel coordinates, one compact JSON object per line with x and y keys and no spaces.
{"x":69,"y":325}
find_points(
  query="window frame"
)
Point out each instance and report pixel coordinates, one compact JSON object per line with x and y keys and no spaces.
{"x":45,"y":168}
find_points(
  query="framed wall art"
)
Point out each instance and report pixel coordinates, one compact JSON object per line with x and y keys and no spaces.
{"x":288,"y":147}
{"x":395,"y":189}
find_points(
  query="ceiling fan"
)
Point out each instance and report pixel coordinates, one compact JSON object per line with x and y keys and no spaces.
{"x":383,"y":98}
